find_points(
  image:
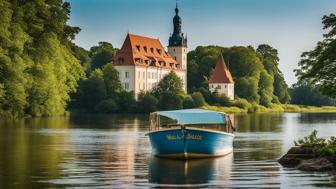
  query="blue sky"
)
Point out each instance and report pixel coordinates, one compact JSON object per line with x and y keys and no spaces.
{"x":291,"y":26}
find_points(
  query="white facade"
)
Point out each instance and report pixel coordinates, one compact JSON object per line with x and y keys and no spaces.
{"x":140,"y":78}
{"x":223,"y":88}
{"x":179,"y":54}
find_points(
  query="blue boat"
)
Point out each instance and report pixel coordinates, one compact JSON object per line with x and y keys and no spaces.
{"x":190,"y":133}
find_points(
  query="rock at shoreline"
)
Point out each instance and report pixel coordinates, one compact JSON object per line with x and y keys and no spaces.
{"x":304,"y":159}
{"x":316,"y":164}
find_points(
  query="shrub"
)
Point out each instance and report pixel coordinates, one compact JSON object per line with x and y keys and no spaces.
{"x":147,"y":103}
{"x":222,"y":100}
{"x":188,"y":102}
{"x":170,"y":101}
{"x":198,"y":99}
{"x":106,"y":106}
{"x":127,"y":103}
{"x":241,"y":103}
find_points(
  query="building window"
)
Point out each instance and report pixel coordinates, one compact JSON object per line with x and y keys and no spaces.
{"x":152,"y":50}
{"x":175,"y":57}
{"x":126,"y":75}
{"x":159,"y":51}
{"x":126,"y":86}
{"x":138,"y":47}
{"x":139,"y":74}
{"x":218,"y":87}
{"x":143,"y":75}
{"x":174,"y":50}
{"x":143,"y":85}
{"x":153,"y":75}
{"x":145,"y":48}
{"x":121,"y":61}
{"x":148,"y":75}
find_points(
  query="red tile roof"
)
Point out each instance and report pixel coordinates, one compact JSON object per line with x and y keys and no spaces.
{"x":144,"y":51}
{"x":221,"y":74}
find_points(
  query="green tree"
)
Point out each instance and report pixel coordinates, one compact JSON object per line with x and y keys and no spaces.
{"x":106,"y":106}
{"x":126,"y":102}
{"x":147,"y":103}
{"x":305,"y":94}
{"x":319,"y":65}
{"x":37,"y":67}
{"x":170,"y":101}
{"x":102,"y":54}
{"x":112,"y":82}
{"x":266,"y":89}
{"x":188,"y":102}
{"x":198,"y":99}
{"x":91,"y":92}
{"x":169,"y":83}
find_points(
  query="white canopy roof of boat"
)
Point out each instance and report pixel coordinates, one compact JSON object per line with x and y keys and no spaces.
{"x":194,"y":116}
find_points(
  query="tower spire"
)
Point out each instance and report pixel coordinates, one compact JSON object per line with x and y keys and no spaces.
{"x":177,"y":38}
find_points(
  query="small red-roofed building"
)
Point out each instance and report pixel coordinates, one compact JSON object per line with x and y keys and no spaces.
{"x":221,"y":80}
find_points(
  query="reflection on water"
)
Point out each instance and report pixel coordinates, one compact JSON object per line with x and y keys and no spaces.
{"x":169,"y":172}
{"x":111,"y":151}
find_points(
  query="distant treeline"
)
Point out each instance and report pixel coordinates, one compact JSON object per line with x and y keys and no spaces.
{"x":43,"y":73}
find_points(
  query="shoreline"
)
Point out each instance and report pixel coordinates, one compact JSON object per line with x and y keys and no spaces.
{"x":276,"y":108}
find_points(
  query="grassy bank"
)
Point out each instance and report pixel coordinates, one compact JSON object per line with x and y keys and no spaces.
{"x":273,"y":108}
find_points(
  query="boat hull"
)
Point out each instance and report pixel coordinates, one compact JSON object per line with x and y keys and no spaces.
{"x":190,"y":143}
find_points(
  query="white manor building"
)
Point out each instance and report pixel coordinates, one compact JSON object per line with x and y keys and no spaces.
{"x":221,"y":80}
{"x":142,"y":61}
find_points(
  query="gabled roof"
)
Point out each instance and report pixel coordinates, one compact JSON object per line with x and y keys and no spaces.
{"x":143,"y":51}
{"x":221,"y":74}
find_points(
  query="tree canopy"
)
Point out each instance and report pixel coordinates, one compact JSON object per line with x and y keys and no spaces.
{"x":255,"y":72}
{"x":37,"y":66}
{"x":318,"y":66}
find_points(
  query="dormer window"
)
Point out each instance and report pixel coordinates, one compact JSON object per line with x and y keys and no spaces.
{"x":172,"y":65}
{"x":159,"y":51}
{"x":152,"y":50}
{"x":145,"y":48}
{"x":121,"y":60}
{"x":138,"y":47}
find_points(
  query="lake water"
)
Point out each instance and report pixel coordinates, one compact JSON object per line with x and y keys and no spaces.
{"x":112,"y":151}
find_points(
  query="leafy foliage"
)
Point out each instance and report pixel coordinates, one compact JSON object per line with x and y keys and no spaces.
{"x":147,"y":103}
{"x":305,"y":94}
{"x":37,"y":67}
{"x":170,"y":101}
{"x":256,"y":74}
{"x":102,"y":54}
{"x":198,"y":99}
{"x":311,"y":140}
{"x":188,"y":102}
{"x":320,"y":146}
{"x":319,"y":65}
{"x":169,"y":83}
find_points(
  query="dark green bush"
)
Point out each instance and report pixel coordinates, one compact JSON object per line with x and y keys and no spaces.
{"x":188,"y":102}
{"x":106,"y":106}
{"x":147,"y":103}
{"x":170,"y":101}
{"x":198,"y":99}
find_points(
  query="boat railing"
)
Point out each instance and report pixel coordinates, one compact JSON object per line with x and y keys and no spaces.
{"x":156,"y":124}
